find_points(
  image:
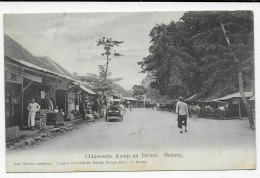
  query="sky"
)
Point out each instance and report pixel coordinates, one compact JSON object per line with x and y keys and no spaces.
{"x":70,"y":39}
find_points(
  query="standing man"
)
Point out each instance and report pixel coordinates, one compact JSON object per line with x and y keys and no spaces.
{"x":33,"y":107}
{"x":130,"y":106}
{"x":122,"y":108}
{"x":183,"y":113}
{"x":95,"y":108}
{"x":50,"y":104}
{"x":158,"y":105}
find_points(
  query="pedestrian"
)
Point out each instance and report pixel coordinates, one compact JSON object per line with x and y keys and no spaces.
{"x":50,"y":104}
{"x":130,"y":106}
{"x":95,"y":105}
{"x":122,"y":108}
{"x":33,"y":107}
{"x":183,"y":113}
{"x":95,"y":108}
{"x":158,"y":105}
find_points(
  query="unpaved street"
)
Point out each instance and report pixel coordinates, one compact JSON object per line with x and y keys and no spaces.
{"x":150,"y":129}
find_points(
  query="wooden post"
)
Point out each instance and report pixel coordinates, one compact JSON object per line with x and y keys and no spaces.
{"x":22,"y":103}
{"x":27,"y":85}
{"x":239,"y":107}
{"x":22,"y":92}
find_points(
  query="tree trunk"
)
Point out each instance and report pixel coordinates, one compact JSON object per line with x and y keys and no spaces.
{"x":246,"y":104}
{"x":104,"y":82}
{"x":240,"y":81}
{"x":106,"y":69}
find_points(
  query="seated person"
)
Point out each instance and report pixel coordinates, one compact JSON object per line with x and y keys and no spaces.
{"x":88,"y":109}
{"x":63,"y":114}
{"x":56,"y":110}
{"x":222,"y":108}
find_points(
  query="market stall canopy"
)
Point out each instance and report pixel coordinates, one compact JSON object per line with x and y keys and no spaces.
{"x":234,"y":95}
{"x":130,"y":98}
{"x":216,"y":101}
{"x":252,"y":98}
{"x":194,"y":97}
{"x":115,"y":100}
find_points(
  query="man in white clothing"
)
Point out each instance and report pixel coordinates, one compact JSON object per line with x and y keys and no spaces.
{"x":183,"y":113}
{"x":122,"y":107}
{"x":33,"y":107}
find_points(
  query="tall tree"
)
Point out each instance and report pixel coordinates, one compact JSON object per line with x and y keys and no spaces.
{"x":224,"y":42}
{"x":218,"y":69}
{"x":109,"y":49}
{"x":205,"y":51}
{"x":240,"y":78}
{"x":169,"y":57}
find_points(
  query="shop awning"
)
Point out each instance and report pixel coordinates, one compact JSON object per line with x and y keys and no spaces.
{"x":86,"y":89}
{"x":32,"y":77}
{"x":30,"y":65}
{"x":252,"y":98}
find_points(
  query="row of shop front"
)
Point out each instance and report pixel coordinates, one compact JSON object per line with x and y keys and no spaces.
{"x":50,"y":90}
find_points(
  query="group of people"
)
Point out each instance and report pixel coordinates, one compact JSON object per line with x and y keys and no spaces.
{"x":120,"y":105}
{"x":93,"y":107}
{"x":181,"y":109}
{"x":33,"y":107}
{"x":163,"y":106}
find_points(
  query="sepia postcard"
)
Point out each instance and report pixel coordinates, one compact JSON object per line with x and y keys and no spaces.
{"x":129,"y":91}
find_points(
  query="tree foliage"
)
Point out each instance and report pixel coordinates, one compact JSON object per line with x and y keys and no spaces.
{"x":97,"y":81}
{"x":109,"y":49}
{"x":139,"y":90}
{"x":192,"y":55}
{"x":109,"y":46}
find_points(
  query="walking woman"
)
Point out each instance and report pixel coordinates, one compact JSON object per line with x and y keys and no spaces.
{"x":183,"y":113}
